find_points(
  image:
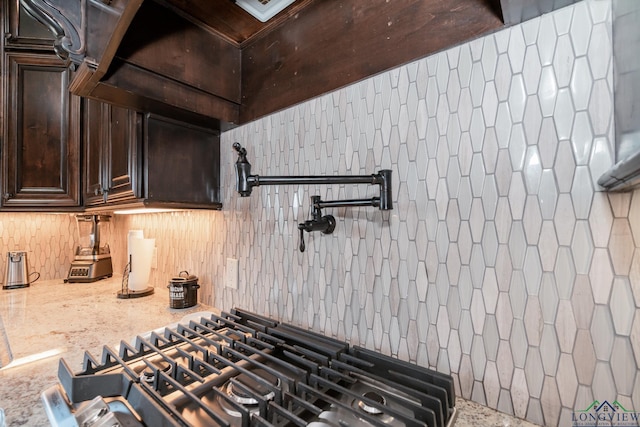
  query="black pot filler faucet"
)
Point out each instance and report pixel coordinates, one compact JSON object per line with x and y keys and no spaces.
{"x":318,"y":222}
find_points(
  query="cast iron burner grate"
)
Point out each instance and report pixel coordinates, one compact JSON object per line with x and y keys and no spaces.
{"x":242,"y":369}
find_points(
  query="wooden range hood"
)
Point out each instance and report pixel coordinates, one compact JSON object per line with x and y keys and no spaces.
{"x":210,"y":63}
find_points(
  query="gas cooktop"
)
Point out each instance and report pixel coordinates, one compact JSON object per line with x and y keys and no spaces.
{"x":243,"y":369}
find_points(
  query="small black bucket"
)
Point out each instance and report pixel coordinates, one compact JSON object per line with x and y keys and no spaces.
{"x":183,"y":290}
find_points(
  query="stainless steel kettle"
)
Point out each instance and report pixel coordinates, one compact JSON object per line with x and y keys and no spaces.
{"x":16,"y":274}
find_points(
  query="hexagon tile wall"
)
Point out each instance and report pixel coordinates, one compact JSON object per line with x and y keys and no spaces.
{"x":501,"y":262}
{"x":49,"y":241}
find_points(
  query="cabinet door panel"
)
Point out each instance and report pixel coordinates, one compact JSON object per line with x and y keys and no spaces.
{"x":123,"y":144}
{"x":40,"y":161}
{"x":183,"y":162}
{"x":94,"y":116}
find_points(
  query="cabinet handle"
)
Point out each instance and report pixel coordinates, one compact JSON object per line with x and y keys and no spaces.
{"x":104,"y":192}
{"x":7,"y":196}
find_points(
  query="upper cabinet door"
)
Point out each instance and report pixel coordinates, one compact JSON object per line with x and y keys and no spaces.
{"x":112,"y":140}
{"x":123,"y":160}
{"x":93,"y":134}
{"x":40,"y":162}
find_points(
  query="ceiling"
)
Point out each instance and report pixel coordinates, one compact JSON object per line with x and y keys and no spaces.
{"x":231,"y":22}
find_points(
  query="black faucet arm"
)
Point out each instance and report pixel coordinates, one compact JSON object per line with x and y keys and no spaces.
{"x":245,"y":181}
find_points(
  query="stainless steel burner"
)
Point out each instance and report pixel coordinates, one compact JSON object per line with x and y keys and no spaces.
{"x":250,"y":401}
{"x":376,"y":397}
{"x":239,"y":397}
{"x":369,"y":391}
{"x":148,"y":374}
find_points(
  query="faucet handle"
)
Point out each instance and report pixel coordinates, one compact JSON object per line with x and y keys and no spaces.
{"x":326,"y":224}
{"x":240,"y":149}
{"x":302,"y":245}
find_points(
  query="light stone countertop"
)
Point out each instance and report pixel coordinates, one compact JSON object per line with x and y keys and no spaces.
{"x":71,"y":318}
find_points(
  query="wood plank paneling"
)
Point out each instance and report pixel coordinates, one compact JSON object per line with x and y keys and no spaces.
{"x":183,"y":52}
{"x":331,"y":44}
{"x":150,"y":91}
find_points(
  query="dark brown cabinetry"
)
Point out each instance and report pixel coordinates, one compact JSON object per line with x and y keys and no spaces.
{"x":61,"y":152}
{"x":112,"y":147}
{"x":23,"y":31}
{"x":182,"y":164}
{"x":41,"y":133}
{"x":40,"y":121}
{"x":133,"y":161}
